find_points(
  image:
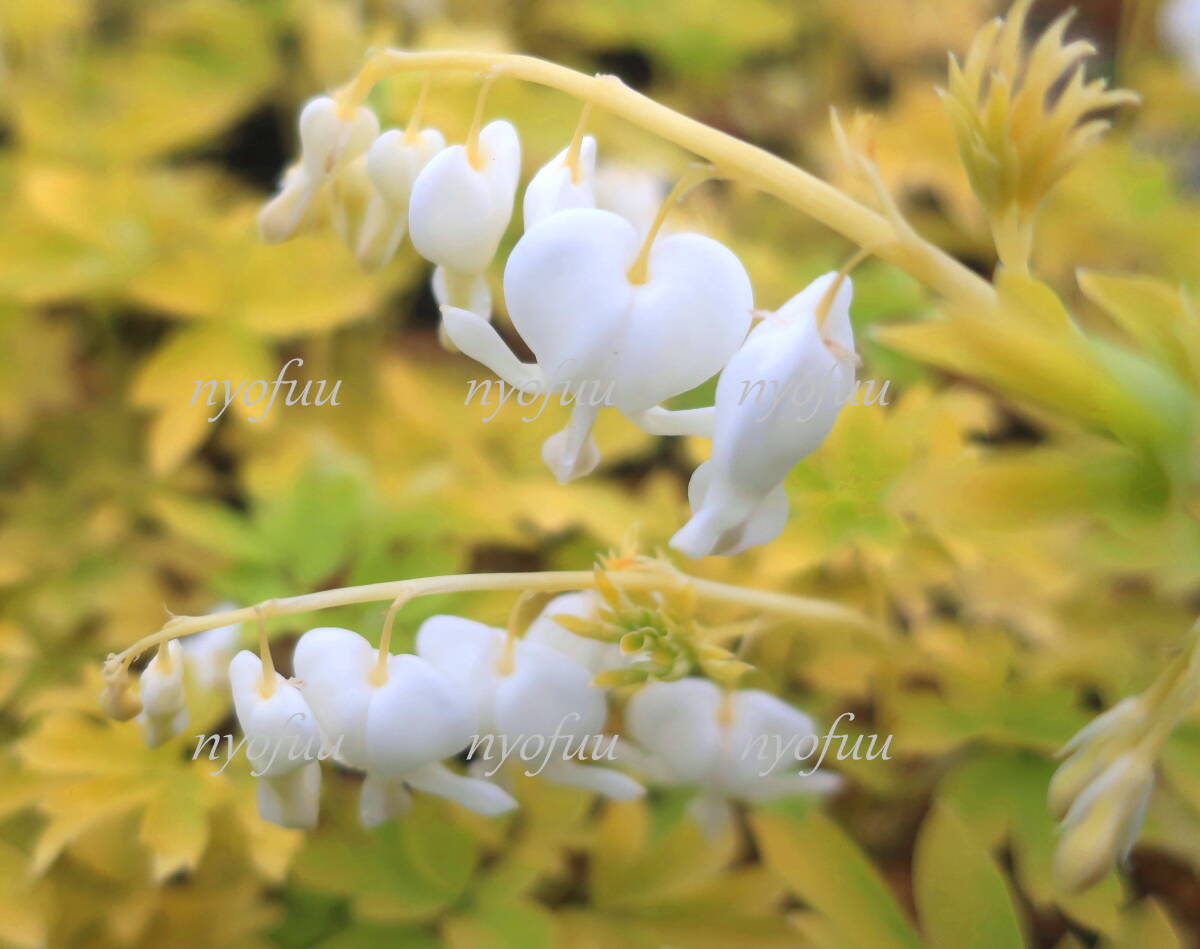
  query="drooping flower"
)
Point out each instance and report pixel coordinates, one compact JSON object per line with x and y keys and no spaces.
{"x":632,"y":326}
{"x":392,"y":163}
{"x":163,"y":714}
{"x":396,"y":721}
{"x":732,"y":746}
{"x":281,"y":735}
{"x":329,"y":143}
{"x":562,"y":183}
{"x":460,"y":206}
{"x":776,"y":401}
{"x":207,"y":654}
{"x":523,"y":691}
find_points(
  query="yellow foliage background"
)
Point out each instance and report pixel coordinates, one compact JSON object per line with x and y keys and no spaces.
{"x":1021,"y":520}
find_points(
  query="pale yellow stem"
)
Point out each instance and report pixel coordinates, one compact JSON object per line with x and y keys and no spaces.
{"x":639,"y":269}
{"x":266,"y":685}
{"x":474,"y":156}
{"x":734,"y":158}
{"x":785,"y":606}
{"x":379,"y":674}
{"x":831,"y":291}
{"x":413,"y":130}
{"x":572,"y":159}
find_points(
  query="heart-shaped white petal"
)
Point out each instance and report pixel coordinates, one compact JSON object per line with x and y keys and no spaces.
{"x":569,"y":295}
{"x":418,"y":716}
{"x":458,"y":214}
{"x":281,"y":730}
{"x":677,"y":721}
{"x":333,"y":666}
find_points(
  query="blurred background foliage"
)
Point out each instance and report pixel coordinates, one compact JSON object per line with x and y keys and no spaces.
{"x":1026,"y":537}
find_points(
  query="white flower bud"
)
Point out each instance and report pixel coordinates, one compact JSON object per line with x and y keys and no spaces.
{"x":282,"y":743}
{"x":1093,"y":749}
{"x":1103,"y":823}
{"x":393,"y":162}
{"x":328,"y":143}
{"x":741,"y":746}
{"x":163,"y":714}
{"x":558,"y":187}
{"x":457,"y":213}
{"x":776,"y":401}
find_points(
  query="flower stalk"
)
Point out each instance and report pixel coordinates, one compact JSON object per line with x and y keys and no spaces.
{"x":734,"y":159}
{"x":637,"y":578}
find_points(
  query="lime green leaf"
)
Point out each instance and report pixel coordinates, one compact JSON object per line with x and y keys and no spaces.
{"x":961,"y":895}
{"x":826,"y":869}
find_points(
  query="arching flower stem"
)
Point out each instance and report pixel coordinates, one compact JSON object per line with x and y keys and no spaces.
{"x":787,"y":606}
{"x":734,"y":159}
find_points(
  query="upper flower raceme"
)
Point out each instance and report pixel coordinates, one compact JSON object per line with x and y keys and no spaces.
{"x":776,"y":401}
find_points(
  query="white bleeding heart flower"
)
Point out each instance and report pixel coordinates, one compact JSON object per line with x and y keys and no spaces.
{"x":560,"y":186}
{"x":392,"y":163}
{"x":776,"y":401}
{"x":397,"y":727}
{"x":163,"y":714}
{"x":525,"y":691}
{"x":207,"y":654}
{"x":592,"y":328}
{"x":329,"y":143}
{"x":594,"y":655}
{"x":282,"y":742}
{"x":458,"y":212}
{"x":739,"y":746}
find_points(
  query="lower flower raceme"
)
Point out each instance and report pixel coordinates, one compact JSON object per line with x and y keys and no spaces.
{"x":504,"y":702}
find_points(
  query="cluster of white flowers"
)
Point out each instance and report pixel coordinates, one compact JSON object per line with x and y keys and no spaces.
{"x":469,"y":689}
{"x":600,"y":299}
